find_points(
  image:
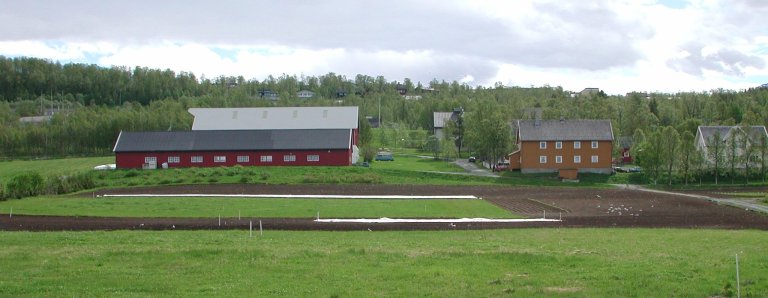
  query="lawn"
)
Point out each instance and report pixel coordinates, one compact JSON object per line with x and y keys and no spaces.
{"x":414,"y":163}
{"x":46,"y":167}
{"x":517,"y":262}
{"x":254,"y":207}
{"x":404,"y":170}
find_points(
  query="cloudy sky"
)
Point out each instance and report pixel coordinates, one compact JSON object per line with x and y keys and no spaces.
{"x":618,"y":46}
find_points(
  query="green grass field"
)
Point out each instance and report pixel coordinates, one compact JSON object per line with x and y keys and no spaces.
{"x":252,"y":207}
{"x":46,"y":167}
{"x":413,"y":163}
{"x":488,"y":263}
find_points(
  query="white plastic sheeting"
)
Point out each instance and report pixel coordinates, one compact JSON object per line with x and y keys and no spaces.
{"x":433,"y":220}
{"x":295,"y":196}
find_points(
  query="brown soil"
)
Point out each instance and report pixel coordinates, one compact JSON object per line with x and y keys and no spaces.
{"x":576,"y":207}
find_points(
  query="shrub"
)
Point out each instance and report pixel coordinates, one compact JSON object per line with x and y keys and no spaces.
{"x":71,"y":183}
{"x":213,"y":180}
{"x":2,"y":193}
{"x":244,"y":179}
{"x":26,"y":185}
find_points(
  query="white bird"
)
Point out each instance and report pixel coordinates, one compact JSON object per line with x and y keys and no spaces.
{"x":598,"y":196}
{"x":452,"y":225}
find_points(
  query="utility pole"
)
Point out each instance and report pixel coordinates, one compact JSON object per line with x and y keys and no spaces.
{"x":380,"y":122}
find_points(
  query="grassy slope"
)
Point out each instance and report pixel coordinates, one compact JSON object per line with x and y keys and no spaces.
{"x":520,"y":262}
{"x":46,"y":167}
{"x":231,"y":207}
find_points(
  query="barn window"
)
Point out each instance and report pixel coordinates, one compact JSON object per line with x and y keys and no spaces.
{"x":266,"y":158}
{"x":594,"y":144}
{"x":243,"y":158}
{"x":220,"y":158}
{"x":313,"y":157}
{"x":542,"y":159}
{"x":289,"y":158}
{"x":197,"y":159}
{"x":150,"y":159}
{"x":558,"y":145}
{"x":542,"y":145}
{"x":577,"y":159}
{"x":576,"y":144}
{"x":594,"y":158}
{"x":174,"y":159}
{"x":558,"y":159}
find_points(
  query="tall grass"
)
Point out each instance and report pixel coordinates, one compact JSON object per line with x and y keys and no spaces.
{"x":489,"y":263}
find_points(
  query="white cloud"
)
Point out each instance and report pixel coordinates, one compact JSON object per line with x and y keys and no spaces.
{"x":618,"y":46}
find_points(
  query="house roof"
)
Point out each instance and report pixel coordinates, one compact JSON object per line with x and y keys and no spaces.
{"x":439,"y":118}
{"x":274,"y":118}
{"x":626,"y":141}
{"x":562,"y":130}
{"x":707,"y":132}
{"x":232,"y":140}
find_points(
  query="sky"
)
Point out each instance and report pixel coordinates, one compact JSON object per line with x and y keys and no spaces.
{"x":618,"y":46}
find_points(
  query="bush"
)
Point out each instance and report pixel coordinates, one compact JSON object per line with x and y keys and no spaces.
{"x":68,"y":184}
{"x":2,"y":193}
{"x":25,"y":185}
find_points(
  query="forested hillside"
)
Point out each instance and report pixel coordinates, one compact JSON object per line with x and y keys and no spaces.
{"x":92,"y":104}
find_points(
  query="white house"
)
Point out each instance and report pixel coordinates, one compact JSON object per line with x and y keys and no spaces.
{"x":705,"y":135}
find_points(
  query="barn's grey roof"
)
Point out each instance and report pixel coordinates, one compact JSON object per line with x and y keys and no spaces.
{"x":274,"y":118}
{"x":440,"y":118}
{"x":707,"y":132}
{"x":565,"y":130}
{"x":233,"y":140}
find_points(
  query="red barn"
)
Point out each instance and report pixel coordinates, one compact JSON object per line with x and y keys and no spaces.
{"x":283,"y":136}
{"x":211,"y":148}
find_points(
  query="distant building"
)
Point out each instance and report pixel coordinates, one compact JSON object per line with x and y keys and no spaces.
{"x":587,"y":92}
{"x":373,"y":121}
{"x":35,"y":119}
{"x":643,"y":95}
{"x":626,"y":146}
{"x":269,"y":95}
{"x":305,"y":94}
{"x":401,"y":89}
{"x":439,"y":120}
{"x":564,"y":146}
{"x":705,"y":135}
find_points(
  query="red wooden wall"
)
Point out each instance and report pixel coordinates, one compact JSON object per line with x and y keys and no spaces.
{"x":339,"y":157}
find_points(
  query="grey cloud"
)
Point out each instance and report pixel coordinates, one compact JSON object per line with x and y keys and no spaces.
{"x":726,"y":61}
{"x":583,"y":36}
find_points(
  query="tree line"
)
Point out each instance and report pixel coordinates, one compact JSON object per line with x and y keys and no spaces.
{"x":95,"y":103}
{"x":669,"y":156}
